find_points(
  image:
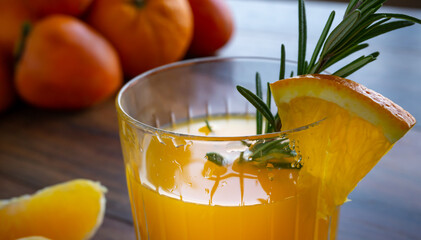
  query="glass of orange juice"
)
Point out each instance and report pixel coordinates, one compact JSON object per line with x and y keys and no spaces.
{"x":188,"y":136}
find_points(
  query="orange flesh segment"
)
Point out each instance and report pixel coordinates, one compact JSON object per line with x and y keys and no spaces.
{"x":71,"y":210}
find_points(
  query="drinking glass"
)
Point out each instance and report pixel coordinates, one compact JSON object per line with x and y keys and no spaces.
{"x":176,"y":192}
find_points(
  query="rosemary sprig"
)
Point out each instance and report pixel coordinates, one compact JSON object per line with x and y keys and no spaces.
{"x":276,"y":152}
{"x":360,"y":23}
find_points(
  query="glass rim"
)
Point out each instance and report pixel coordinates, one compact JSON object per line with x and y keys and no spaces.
{"x":157,"y":130}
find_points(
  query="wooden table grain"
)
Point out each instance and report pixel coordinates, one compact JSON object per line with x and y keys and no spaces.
{"x":39,"y":148}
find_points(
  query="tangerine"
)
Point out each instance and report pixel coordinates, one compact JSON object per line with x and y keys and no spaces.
{"x":66,"y":64}
{"x":213,"y":26}
{"x":146,"y":33}
{"x":42,"y":8}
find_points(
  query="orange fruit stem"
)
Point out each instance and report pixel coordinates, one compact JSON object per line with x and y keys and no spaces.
{"x":25,"y":30}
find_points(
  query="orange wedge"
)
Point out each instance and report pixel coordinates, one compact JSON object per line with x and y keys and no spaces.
{"x":359,"y":126}
{"x":69,"y":211}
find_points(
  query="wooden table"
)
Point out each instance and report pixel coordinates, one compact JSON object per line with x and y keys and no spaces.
{"x":40,"y":148}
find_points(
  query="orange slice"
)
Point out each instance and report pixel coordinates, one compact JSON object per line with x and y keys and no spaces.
{"x":359,"y":127}
{"x":72,"y":210}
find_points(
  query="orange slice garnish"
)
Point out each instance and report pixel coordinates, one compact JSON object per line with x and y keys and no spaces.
{"x":359,"y":127}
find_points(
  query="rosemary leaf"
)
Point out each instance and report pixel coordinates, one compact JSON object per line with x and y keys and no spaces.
{"x":378,"y":20}
{"x":259,"y":92}
{"x":345,"y":53}
{"x":302,"y":37}
{"x":288,"y":152}
{"x":278,"y":123}
{"x":340,"y":31}
{"x":208,"y":125}
{"x":280,"y":149}
{"x":282,"y":67}
{"x":352,"y":5}
{"x":384,"y":28}
{"x":368,"y":6}
{"x":356,"y":64}
{"x":241,"y":158}
{"x":369,"y":13}
{"x":321,"y":41}
{"x":402,"y":17}
{"x":266,"y":146}
{"x":259,"y":119}
{"x":257,"y":103}
{"x":268,"y":103}
{"x":216,"y":158}
{"x":352,"y":37}
{"x":245,"y":143}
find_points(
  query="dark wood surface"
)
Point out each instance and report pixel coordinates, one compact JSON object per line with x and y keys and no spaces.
{"x":39,"y":148}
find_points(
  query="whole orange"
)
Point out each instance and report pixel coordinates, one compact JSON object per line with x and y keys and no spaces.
{"x":66,"y":65}
{"x":13,"y":14}
{"x":7,"y":91}
{"x":43,"y":8}
{"x":213,"y":26}
{"x":146,"y":33}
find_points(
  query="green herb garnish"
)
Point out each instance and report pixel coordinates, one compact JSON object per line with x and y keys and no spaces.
{"x":208,"y":125}
{"x":360,"y":23}
{"x":258,"y":104}
{"x":216,"y":158}
{"x":259,"y":119}
{"x":273,"y":152}
{"x":264,"y":148}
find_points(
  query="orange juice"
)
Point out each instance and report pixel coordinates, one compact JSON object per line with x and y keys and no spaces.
{"x":176,"y":193}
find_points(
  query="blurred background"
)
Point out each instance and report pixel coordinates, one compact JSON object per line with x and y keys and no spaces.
{"x":398,"y":3}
